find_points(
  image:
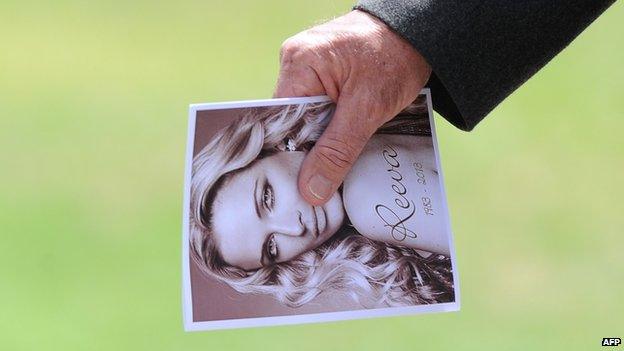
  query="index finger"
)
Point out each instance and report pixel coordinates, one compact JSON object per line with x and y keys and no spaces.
{"x":298,"y":81}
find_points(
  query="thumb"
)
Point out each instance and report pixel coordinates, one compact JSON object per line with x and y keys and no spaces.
{"x":333,"y":155}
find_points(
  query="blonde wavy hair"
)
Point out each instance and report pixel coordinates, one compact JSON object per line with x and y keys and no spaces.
{"x":373,"y":273}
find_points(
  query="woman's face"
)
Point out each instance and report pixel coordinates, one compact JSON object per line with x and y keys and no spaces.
{"x":259,"y":218}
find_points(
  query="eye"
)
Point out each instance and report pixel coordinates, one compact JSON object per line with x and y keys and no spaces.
{"x":268,"y":198}
{"x":272,"y":248}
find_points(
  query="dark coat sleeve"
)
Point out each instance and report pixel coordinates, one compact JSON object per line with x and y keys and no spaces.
{"x":482,"y":50}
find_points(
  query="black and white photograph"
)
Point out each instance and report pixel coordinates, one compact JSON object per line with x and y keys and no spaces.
{"x":256,"y":253}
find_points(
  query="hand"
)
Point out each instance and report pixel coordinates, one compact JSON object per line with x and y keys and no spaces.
{"x":370,"y":72}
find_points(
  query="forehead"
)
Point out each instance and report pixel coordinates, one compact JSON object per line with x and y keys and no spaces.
{"x":236,"y":226}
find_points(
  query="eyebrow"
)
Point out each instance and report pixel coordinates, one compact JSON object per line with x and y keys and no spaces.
{"x":255,"y":199}
{"x":263,"y":249}
{"x":263,"y":257}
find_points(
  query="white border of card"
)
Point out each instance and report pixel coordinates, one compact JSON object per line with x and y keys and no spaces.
{"x":190,"y":325}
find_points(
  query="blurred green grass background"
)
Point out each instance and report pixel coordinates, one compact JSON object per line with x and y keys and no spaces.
{"x":93,"y":114}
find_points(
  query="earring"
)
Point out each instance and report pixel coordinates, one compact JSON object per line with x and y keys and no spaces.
{"x":290,"y":145}
{"x":287,"y":145}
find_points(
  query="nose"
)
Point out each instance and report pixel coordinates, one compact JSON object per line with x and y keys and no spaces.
{"x":291,"y":224}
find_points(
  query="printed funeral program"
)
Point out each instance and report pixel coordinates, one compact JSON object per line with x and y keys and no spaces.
{"x":255,"y":253}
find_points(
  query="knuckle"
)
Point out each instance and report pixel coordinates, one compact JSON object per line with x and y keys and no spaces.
{"x":286,"y":48}
{"x":292,"y":49}
{"x":336,"y":154}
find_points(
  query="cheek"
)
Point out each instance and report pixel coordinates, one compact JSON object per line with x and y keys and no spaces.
{"x":284,"y":181}
{"x":287,"y":164}
{"x":293,"y":247}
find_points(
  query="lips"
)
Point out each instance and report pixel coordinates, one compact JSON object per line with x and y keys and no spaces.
{"x":315,"y":229}
{"x":320,"y":219}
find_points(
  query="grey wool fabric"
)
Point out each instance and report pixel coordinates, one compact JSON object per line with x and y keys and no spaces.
{"x":480,"y":51}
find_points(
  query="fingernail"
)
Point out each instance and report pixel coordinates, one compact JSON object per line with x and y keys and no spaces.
{"x":320,"y":187}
